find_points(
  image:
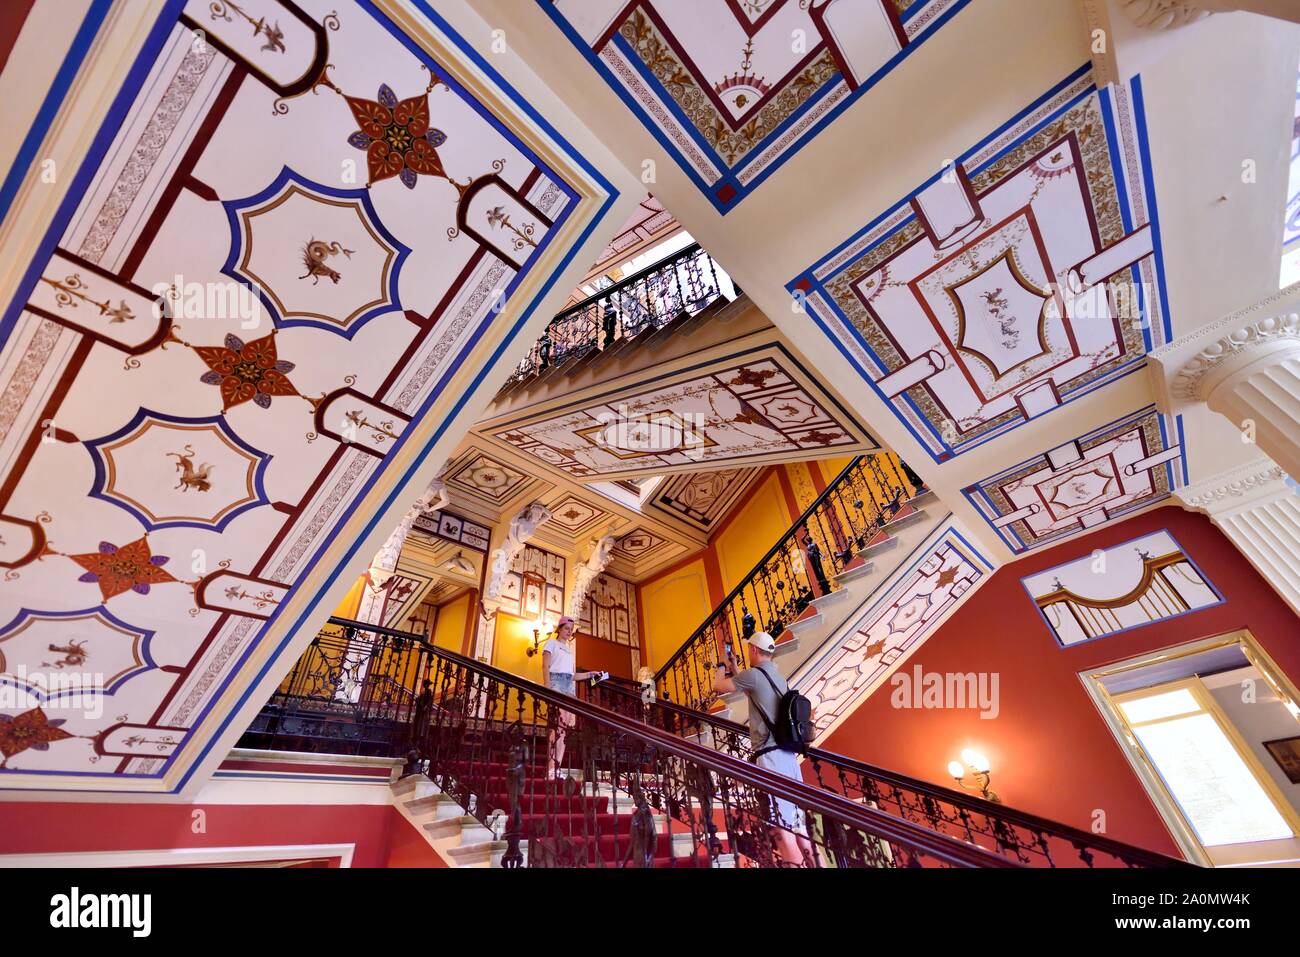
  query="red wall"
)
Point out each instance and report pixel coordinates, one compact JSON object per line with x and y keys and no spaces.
{"x":1050,"y":750}
{"x":49,"y":827}
{"x":407,"y":847}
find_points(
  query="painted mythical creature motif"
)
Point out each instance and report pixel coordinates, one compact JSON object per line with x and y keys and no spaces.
{"x":997,"y":304}
{"x":192,"y":477}
{"x":314,"y":255}
{"x":74,"y":655}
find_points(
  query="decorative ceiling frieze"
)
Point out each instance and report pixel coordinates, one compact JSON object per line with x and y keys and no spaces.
{"x":754,"y":407}
{"x":251,"y":320}
{"x":1024,"y":276}
{"x":1129,"y":464}
{"x":733,"y":90}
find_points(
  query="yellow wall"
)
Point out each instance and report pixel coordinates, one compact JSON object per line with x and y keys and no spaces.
{"x":833,"y":467}
{"x":449,"y":633}
{"x":674,"y":605}
{"x":352,"y":600}
{"x":755,"y":529}
{"x":513,"y":638}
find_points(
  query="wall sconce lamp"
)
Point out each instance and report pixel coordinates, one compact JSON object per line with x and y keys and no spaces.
{"x":537,"y":638}
{"x":978,"y":766}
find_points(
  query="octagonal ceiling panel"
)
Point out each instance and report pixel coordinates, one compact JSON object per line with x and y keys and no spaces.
{"x":245,"y":329}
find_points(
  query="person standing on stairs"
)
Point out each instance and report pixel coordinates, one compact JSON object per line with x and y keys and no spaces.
{"x":763,"y":684}
{"x":559,"y":658}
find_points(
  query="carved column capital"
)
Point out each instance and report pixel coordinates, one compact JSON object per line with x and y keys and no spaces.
{"x":1235,"y":489}
{"x":1191,"y":381}
{"x":1257,"y":508}
{"x":1162,"y":14}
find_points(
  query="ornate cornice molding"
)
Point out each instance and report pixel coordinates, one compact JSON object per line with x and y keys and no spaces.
{"x":1162,"y":14}
{"x":1187,"y":382}
{"x":1237,"y":483}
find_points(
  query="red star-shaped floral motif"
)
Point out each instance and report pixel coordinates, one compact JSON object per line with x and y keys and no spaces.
{"x":131,"y":567}
{"x":31,"y":730}
{"x":246,"y":370}
{"x":822,"y":438}
{"x":396,"y":136}
{"x":754,"y":377}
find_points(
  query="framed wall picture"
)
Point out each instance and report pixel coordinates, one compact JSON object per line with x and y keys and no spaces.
{"x":1286,"y":752}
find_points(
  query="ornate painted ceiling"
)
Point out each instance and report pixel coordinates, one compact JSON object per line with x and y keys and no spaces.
{"x":732,"y":89}
{"x":703,"y":498}
{"x":762,"y":405}
{"x":1024,"y":276}
{"x":295,"y":247}
{"x":1126,"y":465}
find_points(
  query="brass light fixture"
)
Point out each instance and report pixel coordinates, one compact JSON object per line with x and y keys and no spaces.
{"x":978,"y":766}
{"x":537,"y":638}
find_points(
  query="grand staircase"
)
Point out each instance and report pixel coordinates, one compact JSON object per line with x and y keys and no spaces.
{"x":499,"y":772}
{"x":642,"y":782}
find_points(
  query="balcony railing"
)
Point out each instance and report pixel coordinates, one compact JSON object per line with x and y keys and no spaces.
{"x":629,"y":795}
{"x":685,"y":283}
{"x":1019,"y":837}
{"x":828,"y":538}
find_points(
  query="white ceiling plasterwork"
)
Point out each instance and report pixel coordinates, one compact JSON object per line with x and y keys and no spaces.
{"x":258,"y":320}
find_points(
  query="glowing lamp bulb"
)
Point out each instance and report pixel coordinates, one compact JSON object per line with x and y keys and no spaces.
{"x":956,"y":770}
{"x":975,"y":760}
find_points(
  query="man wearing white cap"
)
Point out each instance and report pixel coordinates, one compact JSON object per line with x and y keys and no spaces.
{"x":764,"y":685}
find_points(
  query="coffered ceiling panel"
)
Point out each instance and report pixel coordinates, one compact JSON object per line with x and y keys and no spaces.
{"x":480,"y":475}
{"x":574,"y":515}
{"x":757,"y":406}
{"x":734,"y":88}
{"x":703,"y":498}
{"x":245,"y":327}
{"x":1097,"y":478}
{"x":1024,"y":276}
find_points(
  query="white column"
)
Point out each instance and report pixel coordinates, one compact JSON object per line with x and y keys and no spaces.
{"x":1251,"y":375}
{"x":1170,"y":14}
{"x":1259,"y":512}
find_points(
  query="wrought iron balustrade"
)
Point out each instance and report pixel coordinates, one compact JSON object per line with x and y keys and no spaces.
{"x":1025,"y":839}
{"x":686,"y":282}
{"x":632,"y":795}
{"x":826,"y":539}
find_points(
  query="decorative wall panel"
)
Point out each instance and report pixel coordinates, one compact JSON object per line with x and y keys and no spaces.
{"x":609,"y":611}
{"x":237,"y":338}
{"x":454,"y":528}
{"x":1112,"y":590}
{"x":734,"y":88}
{"x":1025,"y":275}
{"x":1126,"y":465}
{"x":534,"y":587}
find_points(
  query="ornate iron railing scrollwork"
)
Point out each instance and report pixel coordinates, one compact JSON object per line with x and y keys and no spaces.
{"x":685,"y":282}
{"x":840,"y":524}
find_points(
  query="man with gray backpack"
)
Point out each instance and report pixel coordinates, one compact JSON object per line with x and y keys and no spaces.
{"x":780,"y":729}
